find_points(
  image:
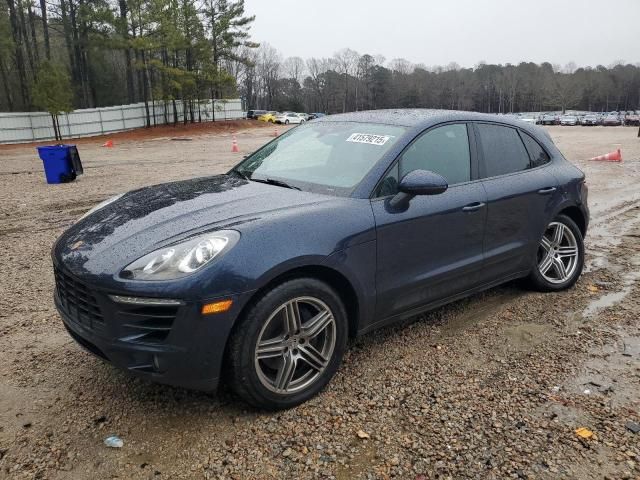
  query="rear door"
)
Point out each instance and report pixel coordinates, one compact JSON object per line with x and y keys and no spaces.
{"x":432,"y":249}
{"x":521,"y":192}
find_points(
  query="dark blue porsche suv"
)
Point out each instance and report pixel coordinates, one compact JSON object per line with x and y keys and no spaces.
{"x":338,"y":227}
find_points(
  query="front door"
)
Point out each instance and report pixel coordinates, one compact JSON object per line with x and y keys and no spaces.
{"x":431,"y":250}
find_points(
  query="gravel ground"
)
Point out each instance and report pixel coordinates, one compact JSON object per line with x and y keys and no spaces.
{"x":493,"y":386}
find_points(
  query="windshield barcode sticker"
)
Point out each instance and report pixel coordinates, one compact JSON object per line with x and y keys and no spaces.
{"x":368,"y":138}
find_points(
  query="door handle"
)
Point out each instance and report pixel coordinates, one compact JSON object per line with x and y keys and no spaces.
{"x":545,"y":191}
{"x":472,"y":207}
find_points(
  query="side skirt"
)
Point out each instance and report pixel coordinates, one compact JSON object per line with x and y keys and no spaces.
{"x":439,"y":303}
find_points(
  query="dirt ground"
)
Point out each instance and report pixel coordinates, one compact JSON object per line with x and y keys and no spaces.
{"x":493,"y":386}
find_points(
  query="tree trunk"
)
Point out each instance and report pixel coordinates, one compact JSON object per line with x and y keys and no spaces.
{"x":77,"y":54}
{"x":68,"y":38}
{"x":213,"y":106}
{"x":55,"y":127}
{"x":57,"y":117}
{"x":145,"y":87}
{"x":19,"y":59}
{"x":151,"y":77}
{"x":83,"y":44}
{"x":5,"y":82}
{"x":124,"y":33}
{"x":25,"y":39}
{"x":32,"y":27}
{"x":45,"y":28}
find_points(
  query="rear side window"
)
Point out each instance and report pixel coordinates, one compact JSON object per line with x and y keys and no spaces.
{"x":536,"y":152}
{"x":502,"y":149}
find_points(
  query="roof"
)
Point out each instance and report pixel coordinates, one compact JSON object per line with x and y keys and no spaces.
{"x":414,"y":117}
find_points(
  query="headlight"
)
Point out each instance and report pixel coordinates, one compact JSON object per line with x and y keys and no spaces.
{"x":183,"y":258}
{"x":101,"y":205}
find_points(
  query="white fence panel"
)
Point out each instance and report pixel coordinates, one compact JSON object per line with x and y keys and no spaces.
{"x":36,"y":126}
{"x":41,"y":127}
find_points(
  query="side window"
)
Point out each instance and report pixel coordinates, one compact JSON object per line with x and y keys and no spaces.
{"x":503,"y":150}
{"x":536,"y":152}
{"x":443,"y":150}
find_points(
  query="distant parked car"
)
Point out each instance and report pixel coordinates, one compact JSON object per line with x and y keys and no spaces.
{"x":589,"y":120}
{"x":569,"y":120}
{"x":611,"y":120}
{"x":529,"y":119}
{"x":289,"y":117}
{"x":632,"y":119}
{"x":316,"y":115}
{"x":254,"y":114}
{"x":268,"y":117}
{"x":549,"y":119}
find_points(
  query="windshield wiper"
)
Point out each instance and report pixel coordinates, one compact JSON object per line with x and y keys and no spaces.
{"x":241,"y":174}
{"x":273,"y":181}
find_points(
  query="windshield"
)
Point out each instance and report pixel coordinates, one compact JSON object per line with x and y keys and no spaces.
{"x":326,"y":157}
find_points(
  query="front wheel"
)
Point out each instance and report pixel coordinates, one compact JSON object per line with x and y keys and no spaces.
{"x":289,"y":344}
{"x":559,"y":257}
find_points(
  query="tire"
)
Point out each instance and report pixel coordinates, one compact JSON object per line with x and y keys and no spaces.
{"x":260,"y":378}
{"x":546,"y":274}
{"x":286,"y":122}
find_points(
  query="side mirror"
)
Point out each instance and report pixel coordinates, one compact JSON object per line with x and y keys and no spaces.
{"x":418,"y":182}
{"x":423,"y":182}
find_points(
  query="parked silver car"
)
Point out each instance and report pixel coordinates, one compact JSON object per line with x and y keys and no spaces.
{"x":589,"y":120}
{"x":568,"y":120}
{"x":612,"y":120}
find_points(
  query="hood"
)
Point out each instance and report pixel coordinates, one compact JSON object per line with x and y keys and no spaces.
{"x":143,"y":220}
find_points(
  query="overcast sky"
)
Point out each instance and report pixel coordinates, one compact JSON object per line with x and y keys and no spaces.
{"x":437,"y":32}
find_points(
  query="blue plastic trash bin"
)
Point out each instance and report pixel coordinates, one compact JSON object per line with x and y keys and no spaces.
{"x":58,"y":167}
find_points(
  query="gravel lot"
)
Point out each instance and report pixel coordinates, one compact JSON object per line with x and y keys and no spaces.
{"x":493,"y":386}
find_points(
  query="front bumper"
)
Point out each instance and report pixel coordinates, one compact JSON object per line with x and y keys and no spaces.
{"x":174,"y":345}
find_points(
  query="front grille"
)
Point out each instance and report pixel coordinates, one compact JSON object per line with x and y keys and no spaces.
{"x":77,"y":301}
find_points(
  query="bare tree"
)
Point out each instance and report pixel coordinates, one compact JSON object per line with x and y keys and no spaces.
{"x":347,"y":61}
{"x":293,"y":67}
{"x":269,"y":65}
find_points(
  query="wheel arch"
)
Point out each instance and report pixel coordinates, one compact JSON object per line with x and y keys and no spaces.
{"x":575,"y":214}
{"x":332,"y":277}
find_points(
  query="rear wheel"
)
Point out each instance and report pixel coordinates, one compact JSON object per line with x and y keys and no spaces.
{"x":289,"y":344}
{"x":559,"y":257}
{"x":286,"y":122}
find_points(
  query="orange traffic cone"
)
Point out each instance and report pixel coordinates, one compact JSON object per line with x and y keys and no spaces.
{"x":234,"y":145}
{"x":615,"y":156}
{"x":108,"y":144}
{"x":275,"y":132}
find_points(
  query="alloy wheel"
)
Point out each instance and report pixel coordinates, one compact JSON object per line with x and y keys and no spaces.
{"x":557,"y":253}
{"x":295,"y":345}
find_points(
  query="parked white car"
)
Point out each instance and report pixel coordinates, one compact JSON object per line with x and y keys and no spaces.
{"x":289,"y":117}
{"x":569,"y":120}
{"x":529,"y":119}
